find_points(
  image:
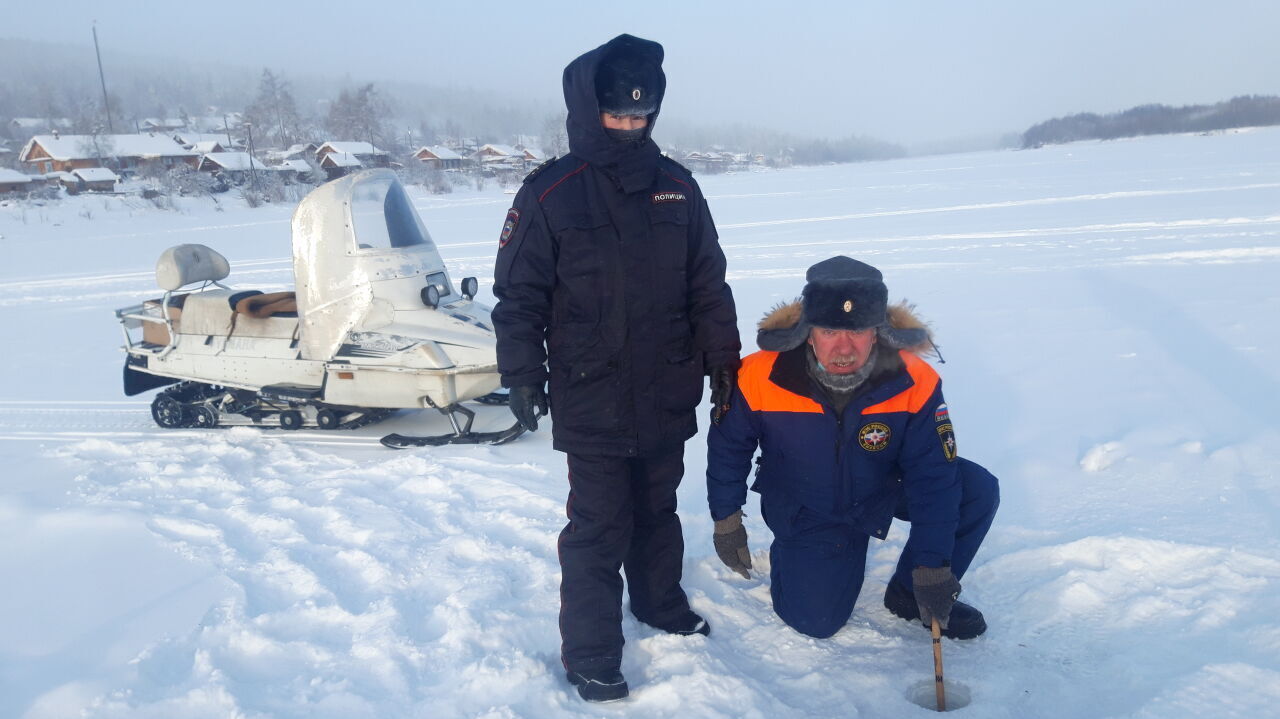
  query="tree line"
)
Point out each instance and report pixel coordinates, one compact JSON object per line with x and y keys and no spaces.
{"x":1243,"y":111}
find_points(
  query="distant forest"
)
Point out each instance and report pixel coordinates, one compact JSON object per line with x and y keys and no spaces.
{"x":1243,"y":111}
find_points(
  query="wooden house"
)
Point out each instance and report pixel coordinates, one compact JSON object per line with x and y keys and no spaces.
{"x":50,"y":153}
{"x":14,"y":181}
{"x":439,"y":157}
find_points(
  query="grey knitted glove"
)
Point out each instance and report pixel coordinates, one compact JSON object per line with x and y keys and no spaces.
{"x":936,"y":590}
{"x":731,"y":544}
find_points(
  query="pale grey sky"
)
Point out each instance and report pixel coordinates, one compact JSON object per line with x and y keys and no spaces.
{"x":901,"y":70}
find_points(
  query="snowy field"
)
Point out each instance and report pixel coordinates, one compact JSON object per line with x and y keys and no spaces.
{"x":1108,"y":313}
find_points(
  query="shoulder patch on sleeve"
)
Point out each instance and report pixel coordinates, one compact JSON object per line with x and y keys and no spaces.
{"x":509,"y":227}
{"x":538,"y":170}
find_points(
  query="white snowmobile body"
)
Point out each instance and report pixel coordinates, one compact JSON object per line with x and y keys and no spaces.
{"x":369,"y":331}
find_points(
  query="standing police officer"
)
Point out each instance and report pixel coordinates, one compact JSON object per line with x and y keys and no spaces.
{"x":610,"y":285}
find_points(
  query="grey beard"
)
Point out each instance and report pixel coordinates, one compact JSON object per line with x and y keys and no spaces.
{"x":625,"y":135}
{"x":840,"y":383}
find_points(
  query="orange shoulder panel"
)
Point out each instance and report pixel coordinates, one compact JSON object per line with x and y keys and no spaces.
{"x":764,"y":396}
{"x":912,"y":399}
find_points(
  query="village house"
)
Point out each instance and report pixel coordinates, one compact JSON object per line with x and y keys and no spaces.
{"x":13,"y":181}
{"x":89,"y":179}
{"x":337,"y":164}
{"x":439,"y":157}
{"x":365,"y":153}
{"x":234,"y":167}
{"x":305,"y":151}
{"x":189,"y":140}
{"x":50,"y":153}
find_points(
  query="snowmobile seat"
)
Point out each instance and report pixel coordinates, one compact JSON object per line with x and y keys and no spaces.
{"x":258,"y":314}
{"x":206,"y":313}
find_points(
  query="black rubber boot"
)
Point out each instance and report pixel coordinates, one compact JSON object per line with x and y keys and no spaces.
{"x":600,"y":685}
{"x":965,"y":622}
{"x":688,"y":625}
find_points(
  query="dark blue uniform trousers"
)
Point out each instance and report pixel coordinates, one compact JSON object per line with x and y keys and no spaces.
{"x":817,"y":565}
{"x":622,"y":515}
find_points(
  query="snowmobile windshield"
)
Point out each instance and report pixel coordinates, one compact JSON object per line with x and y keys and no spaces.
{"x":383,"y":218}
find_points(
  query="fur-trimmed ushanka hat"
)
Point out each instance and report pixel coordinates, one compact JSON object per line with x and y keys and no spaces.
{"x":629,"y":80}
{"x":843,"y":293}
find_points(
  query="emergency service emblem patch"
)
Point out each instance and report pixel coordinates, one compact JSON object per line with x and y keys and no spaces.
{"x":874,"y":436}
{"x":509,"y":227}
{"x":948,"y":439}
{"x":940,"y":414}
{"x":659,"y":197}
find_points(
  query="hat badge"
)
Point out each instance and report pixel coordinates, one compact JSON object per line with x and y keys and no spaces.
{"x":848,"y":305}
{"x":635,"y":94}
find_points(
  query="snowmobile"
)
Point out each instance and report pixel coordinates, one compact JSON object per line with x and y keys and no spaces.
{"x":374,"y":325}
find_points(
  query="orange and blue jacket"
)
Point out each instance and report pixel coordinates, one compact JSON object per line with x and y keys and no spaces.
{"x":893,"y":438}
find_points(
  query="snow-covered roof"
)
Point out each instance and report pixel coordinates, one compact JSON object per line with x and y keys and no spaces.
{"x":440,"y":152}
{"x":351,"y":148}
{"x":39,"y":123}
{"x":233,"y":161}
{"x":533,"y":154}
{"x":11,"y":176}
{"x":209,"y":146}
{"x":195,"y":138}
{"x":500,"y":149}
{"x":341,"y":159}
{"x":295,"y":165}
{"x":84,"y":147}
{"x":95,"y":174}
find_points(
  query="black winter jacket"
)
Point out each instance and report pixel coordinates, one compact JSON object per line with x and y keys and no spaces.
{"x":610,"y":273}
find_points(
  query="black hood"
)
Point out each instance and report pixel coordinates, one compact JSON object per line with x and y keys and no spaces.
{"x":633,"y":164}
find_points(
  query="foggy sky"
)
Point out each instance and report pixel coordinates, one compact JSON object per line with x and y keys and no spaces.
{"x":900,"y":70}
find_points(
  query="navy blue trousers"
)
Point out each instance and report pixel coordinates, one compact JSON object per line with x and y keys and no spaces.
{"x":817,"y":566}
{"x":622,"y":515}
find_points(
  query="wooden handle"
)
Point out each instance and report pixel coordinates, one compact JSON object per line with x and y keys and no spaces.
{"x":937,"y":666}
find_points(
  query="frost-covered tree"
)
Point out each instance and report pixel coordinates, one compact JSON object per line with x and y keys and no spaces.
{"x":274,"y":111}
{"x":555,"y":139}
{"x":357,"y":115}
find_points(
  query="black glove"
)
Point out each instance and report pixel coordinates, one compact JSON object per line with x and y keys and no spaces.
{"x":731,"y":544}
{"x":936,"y":590}
{"x":528,"y":402}
{"x":722,"y":381}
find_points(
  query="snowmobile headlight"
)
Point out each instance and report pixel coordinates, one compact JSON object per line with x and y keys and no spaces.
{"x":469,"y":287}
{"x":431,"y":296}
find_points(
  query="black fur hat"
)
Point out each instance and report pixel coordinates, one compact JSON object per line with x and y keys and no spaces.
{"x":845,"y":294}
{"x":628,"y":82}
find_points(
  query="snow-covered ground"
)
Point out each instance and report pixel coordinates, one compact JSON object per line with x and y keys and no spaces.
{"x":1108,"y":312}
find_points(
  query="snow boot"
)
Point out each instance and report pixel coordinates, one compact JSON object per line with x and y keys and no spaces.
{"x":599,"y":685}
{"x":687,"y":625}
{"x":965,"y":622}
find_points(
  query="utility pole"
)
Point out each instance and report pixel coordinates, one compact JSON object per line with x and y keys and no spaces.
{"x":227,"y":127}
{"x":106,"y":105}
{"x":253,"y":171}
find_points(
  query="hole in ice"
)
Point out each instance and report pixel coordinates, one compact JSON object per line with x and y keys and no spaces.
{"x":922,"y":693}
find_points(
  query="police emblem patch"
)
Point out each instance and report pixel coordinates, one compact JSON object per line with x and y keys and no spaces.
{"x":874,"y":436}
{"x":509,"y":227}
{"x":948,"y":439}
{"x":940,"y":414}
{"x":659,"y":197}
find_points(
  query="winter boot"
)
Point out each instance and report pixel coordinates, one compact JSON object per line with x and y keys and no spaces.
{"x":965,"y":622}
{"x":599,"y":685}
{"x":687,"y":625}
